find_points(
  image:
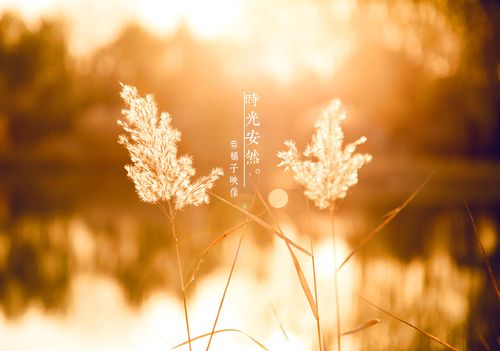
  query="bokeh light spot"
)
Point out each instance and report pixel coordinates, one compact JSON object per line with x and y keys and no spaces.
{"x":278,"y":198}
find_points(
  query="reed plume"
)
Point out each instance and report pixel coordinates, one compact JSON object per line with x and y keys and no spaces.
{"x":327,"y":171}
{"x":159,"y":176}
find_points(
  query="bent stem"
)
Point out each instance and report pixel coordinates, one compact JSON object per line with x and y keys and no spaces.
{"x":257,"y":342}
{"x":337,"y":306}
{"x":171,"y":217}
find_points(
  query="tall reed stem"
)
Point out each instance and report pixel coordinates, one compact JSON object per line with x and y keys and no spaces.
{"x":181,"y":281}
{"x":318,"y":324}
{"x":337,"y":305}
{"x":171,"y":217}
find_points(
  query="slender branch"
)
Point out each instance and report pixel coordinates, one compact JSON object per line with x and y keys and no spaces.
{"x":335,"y":278}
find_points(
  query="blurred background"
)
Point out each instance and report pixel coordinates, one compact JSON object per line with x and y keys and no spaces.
{"x":85,"y":266}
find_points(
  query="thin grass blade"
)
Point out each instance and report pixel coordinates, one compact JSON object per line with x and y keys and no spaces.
{"x":363,"y":326}
{"x":388,"y":218}
{"x":429,"y":335}
{"x":298,"y":268}
{"x":485,"y":256}
{"x":225,"y":291}
{"x":214,"y":243}
{"x":303,"y":283}
{"x":229,"y":330}
{"x":278,"y":320}
{"x":318,"y":324}
{"x":263,"y":224}
{"x":483,"y":341}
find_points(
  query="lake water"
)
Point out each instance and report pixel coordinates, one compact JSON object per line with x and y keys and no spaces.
{"x":85,"y":266}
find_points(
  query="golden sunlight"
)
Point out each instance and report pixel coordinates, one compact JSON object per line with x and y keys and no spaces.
{"x":160,"y":16}
{"x":210,"y":18}
{"x":205,"y":19}
{"x":223,"y":210}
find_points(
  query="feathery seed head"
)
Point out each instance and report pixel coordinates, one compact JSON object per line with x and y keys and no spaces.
{"x":158,"y":174}
{"x":328,"y":171}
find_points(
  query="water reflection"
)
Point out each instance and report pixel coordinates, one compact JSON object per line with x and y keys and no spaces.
{"x":93,"y":269}
{"x":98,"y":318}
{"x":103,"y":278}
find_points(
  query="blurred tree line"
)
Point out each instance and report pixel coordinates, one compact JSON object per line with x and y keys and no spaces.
{"x":37,"y":94}
{"x":57,"y":107}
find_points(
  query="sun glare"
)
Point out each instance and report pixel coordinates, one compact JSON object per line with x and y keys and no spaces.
{"x":211,"y":18}
{"x":205,"y":19}
{"x":160,"y":16}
